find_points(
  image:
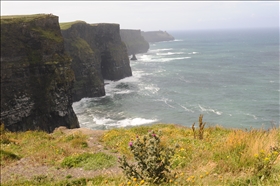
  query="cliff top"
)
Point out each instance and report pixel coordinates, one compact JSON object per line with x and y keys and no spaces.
{"x":66,"y":25}
{"x":23,"y":18}
{"x":96,"y":24}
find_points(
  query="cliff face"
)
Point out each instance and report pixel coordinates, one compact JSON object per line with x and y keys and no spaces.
{"x":36,"y":75}
{"x":134,"y":41}
{"x":157,"y":36}
{"x":98,"y":53}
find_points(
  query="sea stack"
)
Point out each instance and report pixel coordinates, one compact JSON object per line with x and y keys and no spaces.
{"x":133,"y":57}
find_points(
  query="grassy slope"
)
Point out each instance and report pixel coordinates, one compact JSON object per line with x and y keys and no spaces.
{"x":223,"y":157}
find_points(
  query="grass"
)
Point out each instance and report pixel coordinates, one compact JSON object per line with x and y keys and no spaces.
{"x":45,"y":148}
{"x":66,"y":25}
{"x":222,"y":157}
{"x":10,"y":19}
{"x":89,"y":161}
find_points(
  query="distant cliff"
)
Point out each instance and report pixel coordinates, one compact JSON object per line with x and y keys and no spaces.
{"x":98,"y":53}
{"x":36,"y":75}
{"x":134,"y":41}
{"x":157,"y":36}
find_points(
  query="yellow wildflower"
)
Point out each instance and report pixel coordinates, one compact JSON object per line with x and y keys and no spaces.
{"x":142,"y":182}
{"x":128,"y":183}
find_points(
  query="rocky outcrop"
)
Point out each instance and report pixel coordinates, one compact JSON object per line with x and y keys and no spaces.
{"x":134,"y":41}
{"x":157,"y":36}
{"x":36,"y":75}
{"x":133,"y":57}
{"x":98,"y":53}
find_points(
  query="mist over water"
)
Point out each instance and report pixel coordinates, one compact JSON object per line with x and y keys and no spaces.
{"x":229,"y":76}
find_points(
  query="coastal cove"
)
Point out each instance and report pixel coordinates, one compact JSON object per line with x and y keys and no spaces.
{"x":229,"y":76}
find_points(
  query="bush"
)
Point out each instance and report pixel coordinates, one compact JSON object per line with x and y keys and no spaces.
{"x":265,"y":162}
{"x":152,"y":159}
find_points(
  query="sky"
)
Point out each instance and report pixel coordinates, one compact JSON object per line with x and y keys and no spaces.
{"x":156,"y":15}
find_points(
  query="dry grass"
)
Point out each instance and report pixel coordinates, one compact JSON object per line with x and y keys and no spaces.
{"x":222,"y":157}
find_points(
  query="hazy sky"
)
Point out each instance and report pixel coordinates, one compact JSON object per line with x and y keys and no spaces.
{"x":156,"y":15}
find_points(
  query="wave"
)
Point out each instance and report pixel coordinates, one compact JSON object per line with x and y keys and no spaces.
{"x":209,"y":110}
{"x":178,"y":40}
{"x":193,"y":53}
{"x":186,"y":109}
{"x":255,"y":117}
{"x":152,"y":88}
{"x":166,"y":100}
{"x":124,"y":86}
{"x":159,"y":60}
{"x":107,"y":123}
{"x":175,"y":58}
{"x":169,"y":53}
{"x":159,"y":50}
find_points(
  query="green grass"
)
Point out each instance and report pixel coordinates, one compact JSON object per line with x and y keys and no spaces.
{"x":9,"y":19}
{"x":66,"y":25}
{"x":89,"y":161}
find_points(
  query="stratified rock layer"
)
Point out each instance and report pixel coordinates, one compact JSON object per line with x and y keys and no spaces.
{"x":98,"y":53}
{"x":157,"y":36}
{"x":36,"y":75}
{"x":134,"y":41}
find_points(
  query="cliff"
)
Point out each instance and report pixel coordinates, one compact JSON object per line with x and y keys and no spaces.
{"x":98,"y":53}
{"x":36,"y":75}
{"x":157,"y":36}
{"x":134,"y":41}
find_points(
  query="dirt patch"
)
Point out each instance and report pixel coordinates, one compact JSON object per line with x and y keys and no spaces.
{"x":28,"y":168}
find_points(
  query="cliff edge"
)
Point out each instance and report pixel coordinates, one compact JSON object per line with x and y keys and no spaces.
{"x":157,"y":36}
{"x":36,"y":74}
{"x":134,"y":41}
{"x":98,"y":53}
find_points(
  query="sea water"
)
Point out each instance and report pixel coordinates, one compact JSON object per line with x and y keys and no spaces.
{"x":229,"y":76}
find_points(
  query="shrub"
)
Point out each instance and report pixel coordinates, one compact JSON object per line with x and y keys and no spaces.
{"x":265,"y":161}
{"x":152,"y":159}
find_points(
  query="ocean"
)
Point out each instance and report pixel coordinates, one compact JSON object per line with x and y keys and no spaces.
{"x":229,"y":76}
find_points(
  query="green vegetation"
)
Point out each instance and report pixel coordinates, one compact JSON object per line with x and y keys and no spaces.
{"x":81,"y":45}
{"x":222,"y":157}
{"x":48,"y":34}
{"x":65,"y":26}
{"x":152,"y":159}
{"x":89,"y":161}
{"x":22,"y":18}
